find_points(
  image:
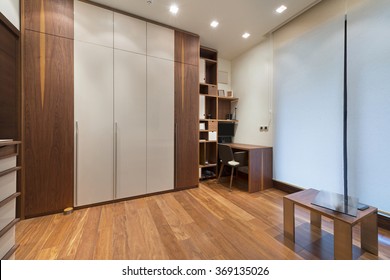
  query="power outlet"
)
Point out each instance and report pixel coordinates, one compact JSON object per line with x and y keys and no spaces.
{"x":263,"y":128}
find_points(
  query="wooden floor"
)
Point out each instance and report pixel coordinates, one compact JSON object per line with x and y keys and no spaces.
{"x":204,"y":223}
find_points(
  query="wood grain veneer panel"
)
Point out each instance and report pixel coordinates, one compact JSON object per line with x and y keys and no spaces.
{"x":57,"y":15}
{"x":9,"y":88}
{"x":186,"y":110}
{"x":48,"y":149}
{"x":186,"y":48}
{"x":187,"y":127}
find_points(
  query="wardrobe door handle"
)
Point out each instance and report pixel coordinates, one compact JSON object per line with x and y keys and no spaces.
{"x":115,"y":158}
{"x":76,"y":163}
{"x":175,"y":141}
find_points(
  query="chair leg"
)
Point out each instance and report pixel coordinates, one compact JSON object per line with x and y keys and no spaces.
{"x":231,"y":178}
{"x":220,"y":172}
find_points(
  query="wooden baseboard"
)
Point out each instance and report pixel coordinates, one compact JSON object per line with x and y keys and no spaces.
{"x":383,"y":221}
{"x":286,"y":187}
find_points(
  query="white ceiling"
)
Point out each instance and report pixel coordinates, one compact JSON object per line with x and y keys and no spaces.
{"x":257,"y":17}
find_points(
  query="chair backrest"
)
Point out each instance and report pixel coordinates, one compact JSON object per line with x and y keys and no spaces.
{"x":225,"y":153}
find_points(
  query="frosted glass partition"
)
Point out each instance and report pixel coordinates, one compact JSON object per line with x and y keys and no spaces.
{"x":369,"y":102}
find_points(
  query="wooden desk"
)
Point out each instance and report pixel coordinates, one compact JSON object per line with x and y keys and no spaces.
{"x":342,"y":223}
{"x":259,"y":166}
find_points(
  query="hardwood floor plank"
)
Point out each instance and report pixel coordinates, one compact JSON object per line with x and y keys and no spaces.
{"x":156,"y":231}
{"x":204,"y":223}
{"x":173,"y":218}
{"x":88,"y":241}
{"x":168,"y":238}
{"x":70,"y":245}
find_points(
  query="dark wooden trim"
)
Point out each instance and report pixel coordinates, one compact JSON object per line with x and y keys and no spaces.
{"x":8,"y":227}
{"x":134,"y":197}
{"x":383,"y":221}
{"x":137,"y":17}
{"x":5,"y":172}
{"x":114,"y":201}
{"x":8,"y":151}
{"x":286,"y":187}
{"x":208,"y":49}
{"x":8,"y":199}
{"x":9,"y":25}
{"x":9,"y":143}
{"x":10,"y":252}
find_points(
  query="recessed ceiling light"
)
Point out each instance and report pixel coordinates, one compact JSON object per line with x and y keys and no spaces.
{"x":281,"y":9}
{"x":174,"y":9}
{"x":246,"y":35}
{"x":214,"y":24}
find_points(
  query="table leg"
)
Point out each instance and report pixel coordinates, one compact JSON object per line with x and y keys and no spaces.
{"x":369,"y":234}
{"x":315,"y":219}
{"x":342,"y":240}
{"x":288,"y":219}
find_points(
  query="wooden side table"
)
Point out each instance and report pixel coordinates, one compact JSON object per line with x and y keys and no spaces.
{"x":342,"y":223}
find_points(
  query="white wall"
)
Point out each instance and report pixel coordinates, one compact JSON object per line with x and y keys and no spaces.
{"x":252,"y":83}
{"x":10,"y":9}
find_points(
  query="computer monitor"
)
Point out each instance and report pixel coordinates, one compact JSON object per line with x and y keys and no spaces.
{"x":226,"y":129}
{"x":225,"y":132}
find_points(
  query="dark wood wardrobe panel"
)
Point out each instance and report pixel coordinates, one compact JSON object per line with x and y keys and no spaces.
{"x":9,"y":82}
{"x":48,"y":123}
{"x":186,"y":110}
{"x":186,"y":48}
{"x":53,"y":17}
{"x":187,"y":124}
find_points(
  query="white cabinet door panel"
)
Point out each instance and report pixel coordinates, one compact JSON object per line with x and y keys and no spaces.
{"x":161,"y":42}
{"x":94,"y":123}
{"x":129,"y":34}
{"x":130,"y":120}
{"x":93,"y":24}
{"x":160,"y":125}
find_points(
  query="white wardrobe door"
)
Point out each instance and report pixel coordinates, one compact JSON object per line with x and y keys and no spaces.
{"x":129,"y":34}
{"x":161,"y":42}
{"x":130,"y":122}
{"x":93,"y":24}
{"x":160,"y":125}
{"x":94,"y":123}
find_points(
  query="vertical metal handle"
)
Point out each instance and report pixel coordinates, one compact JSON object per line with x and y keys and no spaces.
{"x":76,"y":164}
{"x":115,"y":158}
{"x":175,"y":142}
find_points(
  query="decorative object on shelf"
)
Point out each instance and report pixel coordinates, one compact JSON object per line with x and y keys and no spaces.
{"x":235,"y":113}
{"x":229,"y":93}
{"x":202,"y":126}
{"x":229,"y":116}
{"x":221,"y":92}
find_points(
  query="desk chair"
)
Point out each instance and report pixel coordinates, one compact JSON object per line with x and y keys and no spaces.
{"x":234,"y":160}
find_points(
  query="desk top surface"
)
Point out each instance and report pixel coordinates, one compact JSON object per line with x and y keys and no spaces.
{"x":246,"y":146}
{"x":306,"y":197}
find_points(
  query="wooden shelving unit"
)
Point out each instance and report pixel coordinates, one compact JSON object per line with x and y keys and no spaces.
{"x":213,"y":109}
